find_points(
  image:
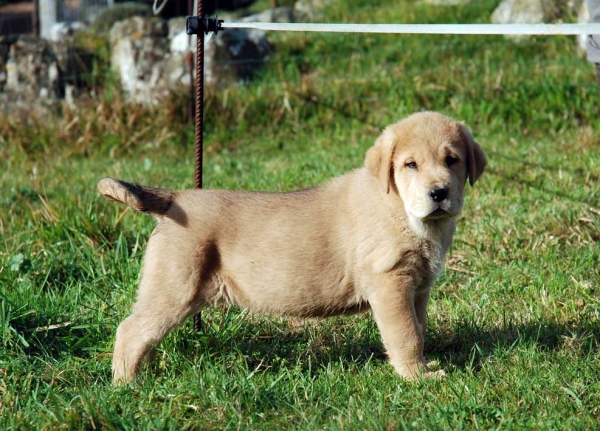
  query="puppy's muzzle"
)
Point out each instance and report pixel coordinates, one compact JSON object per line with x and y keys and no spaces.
{"x":439,"y":196}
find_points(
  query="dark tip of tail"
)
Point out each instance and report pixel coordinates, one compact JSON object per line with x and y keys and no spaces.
{"x":147,"y":199}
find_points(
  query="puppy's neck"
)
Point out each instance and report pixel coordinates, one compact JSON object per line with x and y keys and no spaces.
{"x":435,"y":230}
{"x":438,"y":232}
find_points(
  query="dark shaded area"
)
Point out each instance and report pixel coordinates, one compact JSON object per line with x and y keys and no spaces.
{"x":465,"y":345}
{"x":468,"y":345}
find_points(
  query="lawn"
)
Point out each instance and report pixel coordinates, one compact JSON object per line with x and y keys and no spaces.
{"x":514,"y":319}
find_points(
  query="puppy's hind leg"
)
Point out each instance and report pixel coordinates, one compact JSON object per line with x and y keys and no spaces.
{"x":167,"y":295}
{"x":142,"y":331}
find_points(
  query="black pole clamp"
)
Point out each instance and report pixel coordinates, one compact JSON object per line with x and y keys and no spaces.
{"x":195,"y":25}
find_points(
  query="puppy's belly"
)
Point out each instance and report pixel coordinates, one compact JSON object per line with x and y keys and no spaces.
{"x":286,"y":297}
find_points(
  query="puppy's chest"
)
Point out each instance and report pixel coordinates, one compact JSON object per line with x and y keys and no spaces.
{"x":424,"y":260}
{"x":434,"y":256}
{"x":416,"y":258}
{"x":432,"y":247}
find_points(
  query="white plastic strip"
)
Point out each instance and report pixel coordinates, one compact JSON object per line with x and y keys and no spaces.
{"x":499,"y":29}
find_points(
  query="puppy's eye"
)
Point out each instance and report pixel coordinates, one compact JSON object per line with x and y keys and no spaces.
{"x":451,"y":160}
{"x":411,"y":165}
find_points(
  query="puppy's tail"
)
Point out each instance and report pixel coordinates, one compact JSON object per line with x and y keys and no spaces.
{"x":146,"y":199}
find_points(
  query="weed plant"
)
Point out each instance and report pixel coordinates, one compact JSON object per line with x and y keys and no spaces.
{"x":514,"y":319}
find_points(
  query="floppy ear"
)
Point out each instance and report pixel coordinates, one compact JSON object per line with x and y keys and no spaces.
{"x":379,"y":159}
{"x":476,"y":160}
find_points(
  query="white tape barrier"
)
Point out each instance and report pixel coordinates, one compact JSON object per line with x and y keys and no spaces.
{"x":489,"y":29}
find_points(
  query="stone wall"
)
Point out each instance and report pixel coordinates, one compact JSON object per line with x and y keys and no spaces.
{"x":38,"y":74}
{"x":152,"y":57}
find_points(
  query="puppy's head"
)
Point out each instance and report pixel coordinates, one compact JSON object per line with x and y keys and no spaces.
{"x":426,"y":159}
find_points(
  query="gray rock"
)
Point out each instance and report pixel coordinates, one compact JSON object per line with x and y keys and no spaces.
{"x":32,"y":68}
{"x":140,"y":56}
{"x":533,"y":12}
{"x":32,"y":76}
{"x":519,"y":12}
{"x":36,"y":74}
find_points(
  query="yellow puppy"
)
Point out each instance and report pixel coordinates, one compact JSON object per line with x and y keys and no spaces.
{"x":374,"y":239}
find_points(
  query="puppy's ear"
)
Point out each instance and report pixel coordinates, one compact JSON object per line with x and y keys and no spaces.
{"x":379,"y":159}
{"x":476,"y":160}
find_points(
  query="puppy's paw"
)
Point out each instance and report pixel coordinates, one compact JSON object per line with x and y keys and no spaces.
{"x":121,"y":376}
{"x":435,"y":375}
{"x":422,"y":370}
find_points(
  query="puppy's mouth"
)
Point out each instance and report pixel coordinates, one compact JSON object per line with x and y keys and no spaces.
{"x":438,"y":214}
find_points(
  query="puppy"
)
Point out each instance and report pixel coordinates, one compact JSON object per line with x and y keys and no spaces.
{"x":373,"y":239}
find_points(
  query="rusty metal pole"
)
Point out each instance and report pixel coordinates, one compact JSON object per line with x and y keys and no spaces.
{"x":199,"y":119}
{"x":200,"y":25}
{"x":189,"y":63}
{"x":199,"y":98}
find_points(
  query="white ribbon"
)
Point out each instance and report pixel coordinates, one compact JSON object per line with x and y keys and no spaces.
{"x":490,"y":29}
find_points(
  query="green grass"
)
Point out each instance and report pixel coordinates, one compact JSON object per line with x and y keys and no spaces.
{"x":514,"y":319}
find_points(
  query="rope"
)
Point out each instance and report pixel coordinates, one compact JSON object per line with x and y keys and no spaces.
{"x":487,"y":29}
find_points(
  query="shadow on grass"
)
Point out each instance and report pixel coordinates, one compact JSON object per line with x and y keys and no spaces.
{"x":463,"y":346}
{"x":313,"y":348}
{"x":468,"y":345}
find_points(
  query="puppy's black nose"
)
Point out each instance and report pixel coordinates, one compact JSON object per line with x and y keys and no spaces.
{"x":438,"y":194}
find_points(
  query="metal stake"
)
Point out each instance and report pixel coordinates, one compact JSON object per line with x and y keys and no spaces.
{"x":199,"y":122}
{"x":199,"y":25}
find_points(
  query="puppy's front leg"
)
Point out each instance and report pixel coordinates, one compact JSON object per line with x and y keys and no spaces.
{"x":393,"y":305}
{"x":421,"y":300}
